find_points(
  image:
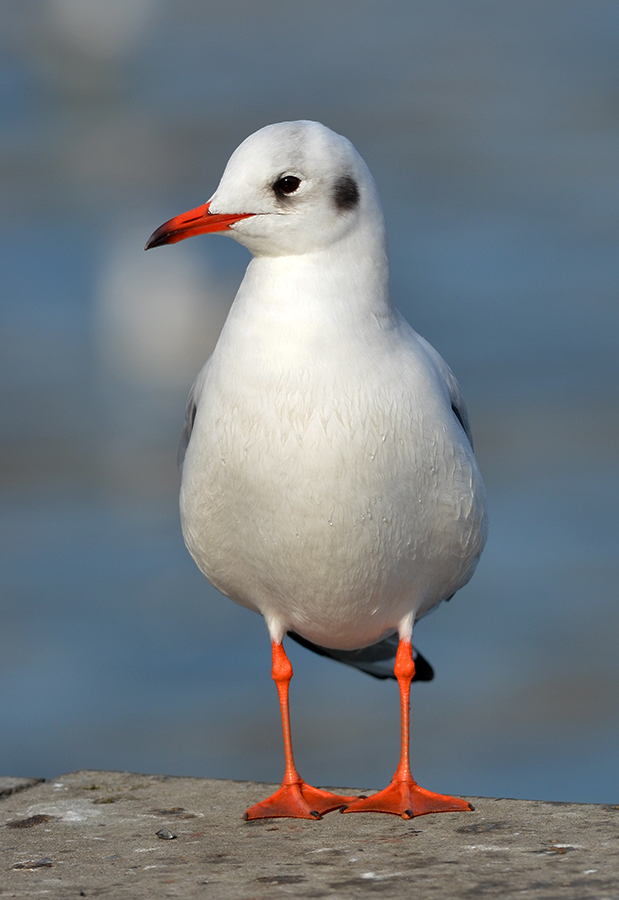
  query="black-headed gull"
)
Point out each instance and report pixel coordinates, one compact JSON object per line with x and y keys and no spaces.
{"x":328,"y":476}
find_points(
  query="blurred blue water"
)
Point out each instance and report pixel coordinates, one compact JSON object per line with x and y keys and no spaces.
{"x":491,"y":131}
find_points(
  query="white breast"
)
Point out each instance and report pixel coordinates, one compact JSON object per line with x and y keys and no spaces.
{"x":334,"y":493}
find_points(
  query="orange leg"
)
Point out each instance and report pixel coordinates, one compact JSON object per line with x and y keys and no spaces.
{"x":295,"y":798}
{"x":404,"y":797}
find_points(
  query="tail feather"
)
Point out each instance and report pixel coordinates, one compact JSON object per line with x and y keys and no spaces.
{"x":377,"y":660}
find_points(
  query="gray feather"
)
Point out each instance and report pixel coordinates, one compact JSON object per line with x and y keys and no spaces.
{"x":377,"y":660}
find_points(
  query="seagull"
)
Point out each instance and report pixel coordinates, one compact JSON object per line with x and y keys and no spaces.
{"x":328,"y":479}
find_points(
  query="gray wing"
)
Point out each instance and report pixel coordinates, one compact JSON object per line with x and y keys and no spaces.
{"x":377,"y":660}
{"x":458,"y":405}
{"x":190,"y":416}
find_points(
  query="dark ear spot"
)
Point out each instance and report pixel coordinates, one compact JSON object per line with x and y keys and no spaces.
{"x":346,"y":193}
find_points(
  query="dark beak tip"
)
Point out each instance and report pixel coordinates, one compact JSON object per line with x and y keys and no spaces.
{"x":157,"y":239}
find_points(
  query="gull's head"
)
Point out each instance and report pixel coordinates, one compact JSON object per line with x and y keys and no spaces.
{"x":289,"y":189}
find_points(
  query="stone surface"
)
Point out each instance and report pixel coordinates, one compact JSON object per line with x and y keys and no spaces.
{"x":13,"y":785}
{"x":120,"y":835}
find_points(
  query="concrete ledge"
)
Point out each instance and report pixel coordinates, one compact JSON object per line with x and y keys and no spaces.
{"x":97,"y":834}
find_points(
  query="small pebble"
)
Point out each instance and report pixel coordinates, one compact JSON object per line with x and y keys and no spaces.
{"x":165,"y":834}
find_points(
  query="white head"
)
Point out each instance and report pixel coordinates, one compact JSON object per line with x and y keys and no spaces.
{"x":289,"y":189}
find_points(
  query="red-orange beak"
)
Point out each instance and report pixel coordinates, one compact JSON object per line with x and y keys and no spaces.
{"x":197,"y":221}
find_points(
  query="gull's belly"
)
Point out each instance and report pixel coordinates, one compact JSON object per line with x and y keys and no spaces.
{"x":334,"y":526}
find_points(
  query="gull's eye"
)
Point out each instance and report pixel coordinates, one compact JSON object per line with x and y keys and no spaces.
{"x":286,"y":185}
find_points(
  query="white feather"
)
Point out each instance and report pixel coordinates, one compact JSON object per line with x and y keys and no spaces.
{"x":327,"y":482}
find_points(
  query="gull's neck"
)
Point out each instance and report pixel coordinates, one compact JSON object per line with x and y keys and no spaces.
{"x":310,"y":311}
{"x":343,"y":284}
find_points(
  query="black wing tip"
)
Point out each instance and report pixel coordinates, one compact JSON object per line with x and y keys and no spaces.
{"x":423,"y":669}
